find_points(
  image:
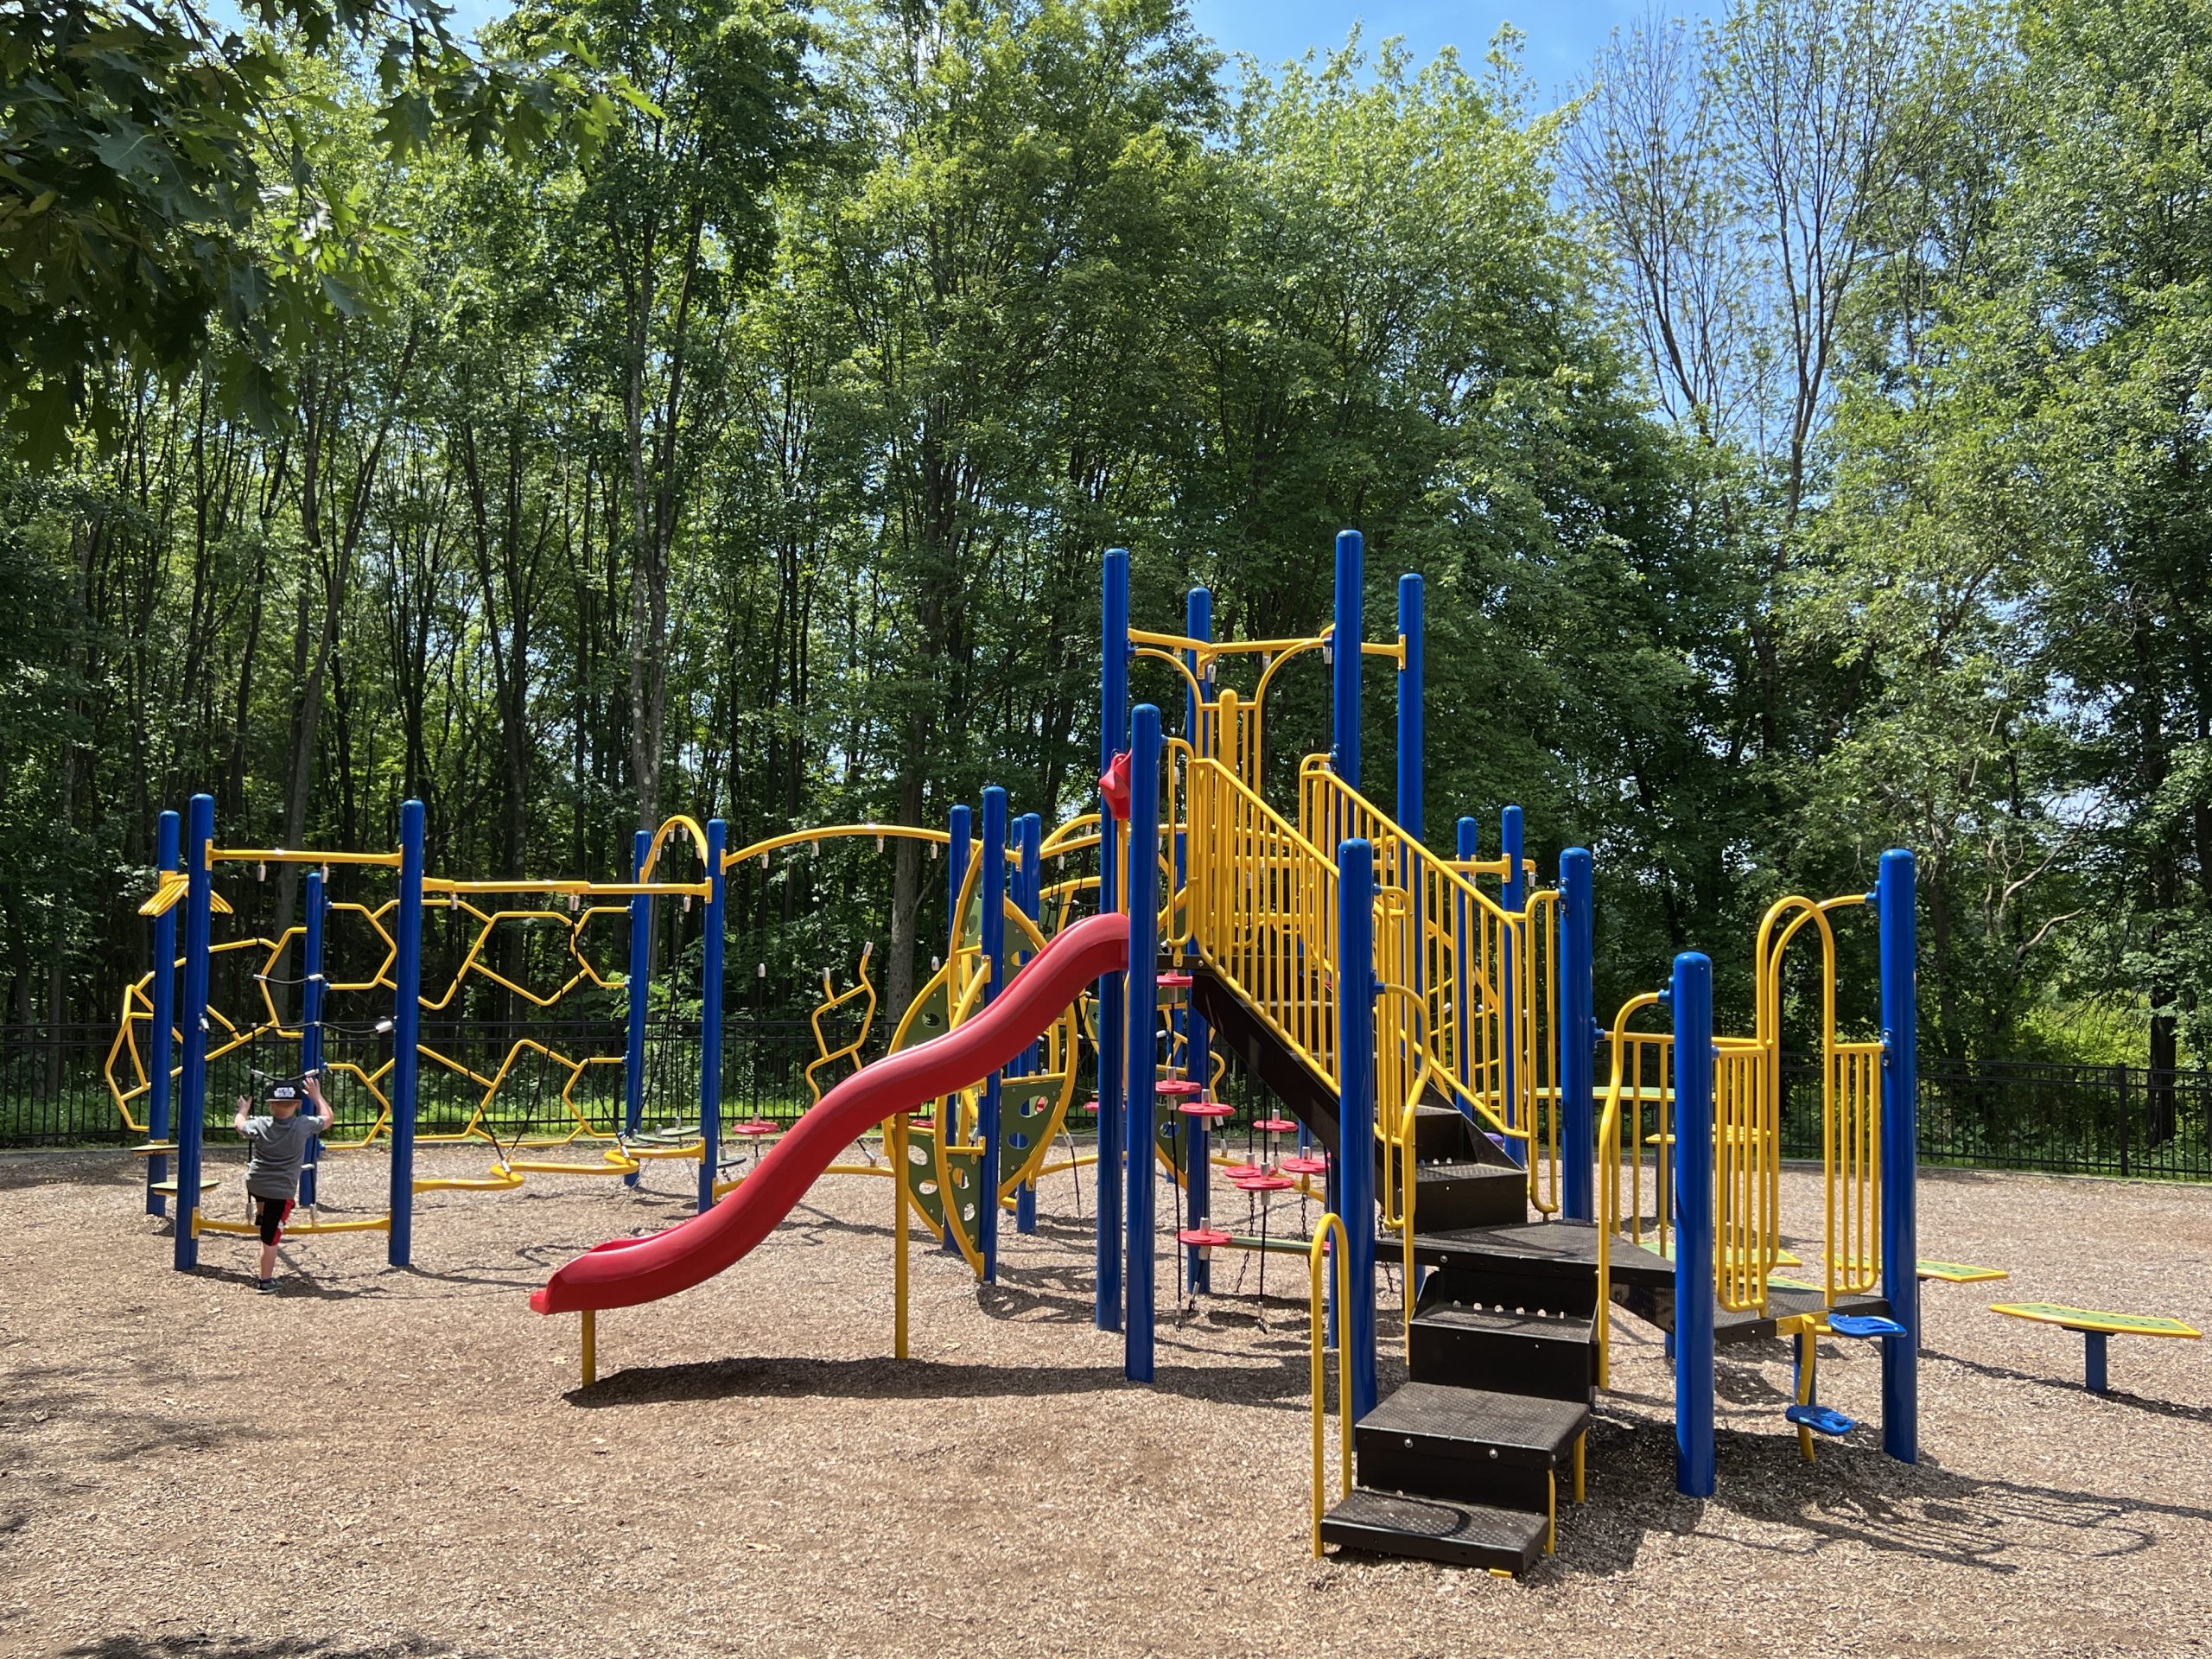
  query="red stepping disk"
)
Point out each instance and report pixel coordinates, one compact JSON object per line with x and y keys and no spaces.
{"x":1202,"y":1238}
{"x":1179,"y":1088}
{"x":1304,"y":1165}
{"x":1090,"y":1106}
{"x":1276,"y":1126}
{"x":753,"y":1127}
{"x":1205,"y":1108}
{"x":1241,"y":1172}
{"x":929,"y":1124}
{"x":1264,"y":1182}
{"x":1173,"y":982}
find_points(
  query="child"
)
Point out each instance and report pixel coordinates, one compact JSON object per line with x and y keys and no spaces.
{"x":280,"y":1142}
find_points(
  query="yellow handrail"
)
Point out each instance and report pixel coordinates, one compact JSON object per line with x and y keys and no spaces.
{"x":1317,"y":1326}
{"x":1609,"y":1163}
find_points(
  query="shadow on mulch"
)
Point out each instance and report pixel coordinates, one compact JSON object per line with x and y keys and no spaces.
{"x":1269,"y":1381}
{"x":199,"y":1645}
{"x":1854,"y":1495}
{"x":2062,"y":1385}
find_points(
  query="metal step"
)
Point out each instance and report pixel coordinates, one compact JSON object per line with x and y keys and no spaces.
{"x":1451,"y":1197}
{"x":1471,"y":1444}
{"x":1554,"y":1356}
{"x":1435,"y":1529}
{"x":1536,"y":1247}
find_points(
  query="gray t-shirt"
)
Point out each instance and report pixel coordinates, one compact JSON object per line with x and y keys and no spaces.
{"x":280,"y":1145}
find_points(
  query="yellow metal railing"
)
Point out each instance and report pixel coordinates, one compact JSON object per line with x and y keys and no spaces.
{"x":1330,"y":1228}
{"x":1461,"y":953}
{"x":1261,"y":907}
{"x":1634,"y":1053}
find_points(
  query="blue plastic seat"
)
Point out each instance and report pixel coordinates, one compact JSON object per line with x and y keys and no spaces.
{"x":1822,"y":1419}
{"x":1864,"y":1325}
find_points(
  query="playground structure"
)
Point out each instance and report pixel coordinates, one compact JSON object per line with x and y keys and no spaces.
{"x":1426,"y":1022}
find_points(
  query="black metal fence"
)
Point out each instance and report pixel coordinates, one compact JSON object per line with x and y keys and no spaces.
{"x":2101,"y":1120}
{"x":2068,"y":1120}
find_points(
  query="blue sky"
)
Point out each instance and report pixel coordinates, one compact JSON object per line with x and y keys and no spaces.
{"x":1563,"y":35}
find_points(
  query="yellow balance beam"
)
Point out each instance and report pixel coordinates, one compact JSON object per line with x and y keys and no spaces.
{"x":2089,"y":1318}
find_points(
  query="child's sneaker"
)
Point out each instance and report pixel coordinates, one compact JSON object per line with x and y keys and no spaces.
{"x":266,"y":1286}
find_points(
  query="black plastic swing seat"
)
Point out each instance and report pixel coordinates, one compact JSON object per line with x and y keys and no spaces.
{"x":1864,"y":1325}
{"x":1822,"y":1419}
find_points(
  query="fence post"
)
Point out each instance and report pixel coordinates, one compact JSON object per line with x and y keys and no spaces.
{"x":192,"y":1103}
{"x":1575,"y":1074}
{"x":161,"y":1039}
{"x":1143,"y":883}
{"x":1693,"y":999}
{"x":711,"y":947}
{"x":406,"y":1030}
{"x":1113,"y":730}
{"x":636,"y":991}
{"x":1344,"y":654}
{"x":311,"y":986}
{"x":1900,"y":1154}
{"x":1355,"y":1160}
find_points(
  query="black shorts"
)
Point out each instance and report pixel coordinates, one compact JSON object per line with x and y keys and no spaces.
{"x":269,"y":1215}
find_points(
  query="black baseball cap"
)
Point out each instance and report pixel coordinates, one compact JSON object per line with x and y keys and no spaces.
{"x":286,"y":1090}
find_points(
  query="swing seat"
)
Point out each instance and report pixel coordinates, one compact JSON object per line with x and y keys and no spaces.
{"x":153,"y":1149}
{"x":208,"y":1183}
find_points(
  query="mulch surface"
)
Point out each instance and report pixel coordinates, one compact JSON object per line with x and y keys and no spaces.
{"x":384,"y":1462}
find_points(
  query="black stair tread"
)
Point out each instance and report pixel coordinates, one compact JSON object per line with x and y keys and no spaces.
{"x":1435,"y":1529}
{"x":1782,"y":1303}
{"x":1564,"y":1247}
{"x":1457,"y":1170}
{"x":1521,"y":1427}
{"x":1557,"y":1327}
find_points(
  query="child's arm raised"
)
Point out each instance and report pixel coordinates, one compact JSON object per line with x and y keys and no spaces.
{"x":313,"y":1085}
{"x":238,"y":1119}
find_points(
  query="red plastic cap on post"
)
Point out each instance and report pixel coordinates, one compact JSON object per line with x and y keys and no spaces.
{"x":1114,"y":786}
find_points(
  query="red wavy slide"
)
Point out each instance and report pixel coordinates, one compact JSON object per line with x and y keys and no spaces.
{"x":624,"y":1272}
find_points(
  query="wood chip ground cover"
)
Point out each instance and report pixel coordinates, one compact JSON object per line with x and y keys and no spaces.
{"x":379,"y":1462}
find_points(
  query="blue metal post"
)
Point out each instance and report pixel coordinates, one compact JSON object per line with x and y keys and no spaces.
{"x":1577,"y":1033}
{"x":1113,"y":729}
{"x":1198,"y":1039}
{"x":1463,"y":944}
{"x":992,"y":887}
{"x":1030,"y":833}
{"x":2094,"y":1347}
{"x":1355,"y":1157}
{"x":192,"y":1100}
{"x":1893,"y":900}
{"x":1692,"y":999}
{"x":962,"y":825}
{"x":1511,"y":897}
{"x":406,"y":1031}
{"x":311,"y":1020}
{"x":161,"y":1039}
{"x":638,"y":992}
{"x":1143,"y":881}
{"x":711,"y":947}
{"x":1343,"y":655}
{"x":1410,"y":677}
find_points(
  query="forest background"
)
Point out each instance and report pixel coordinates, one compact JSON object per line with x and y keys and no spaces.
{"x":722,"y":406}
